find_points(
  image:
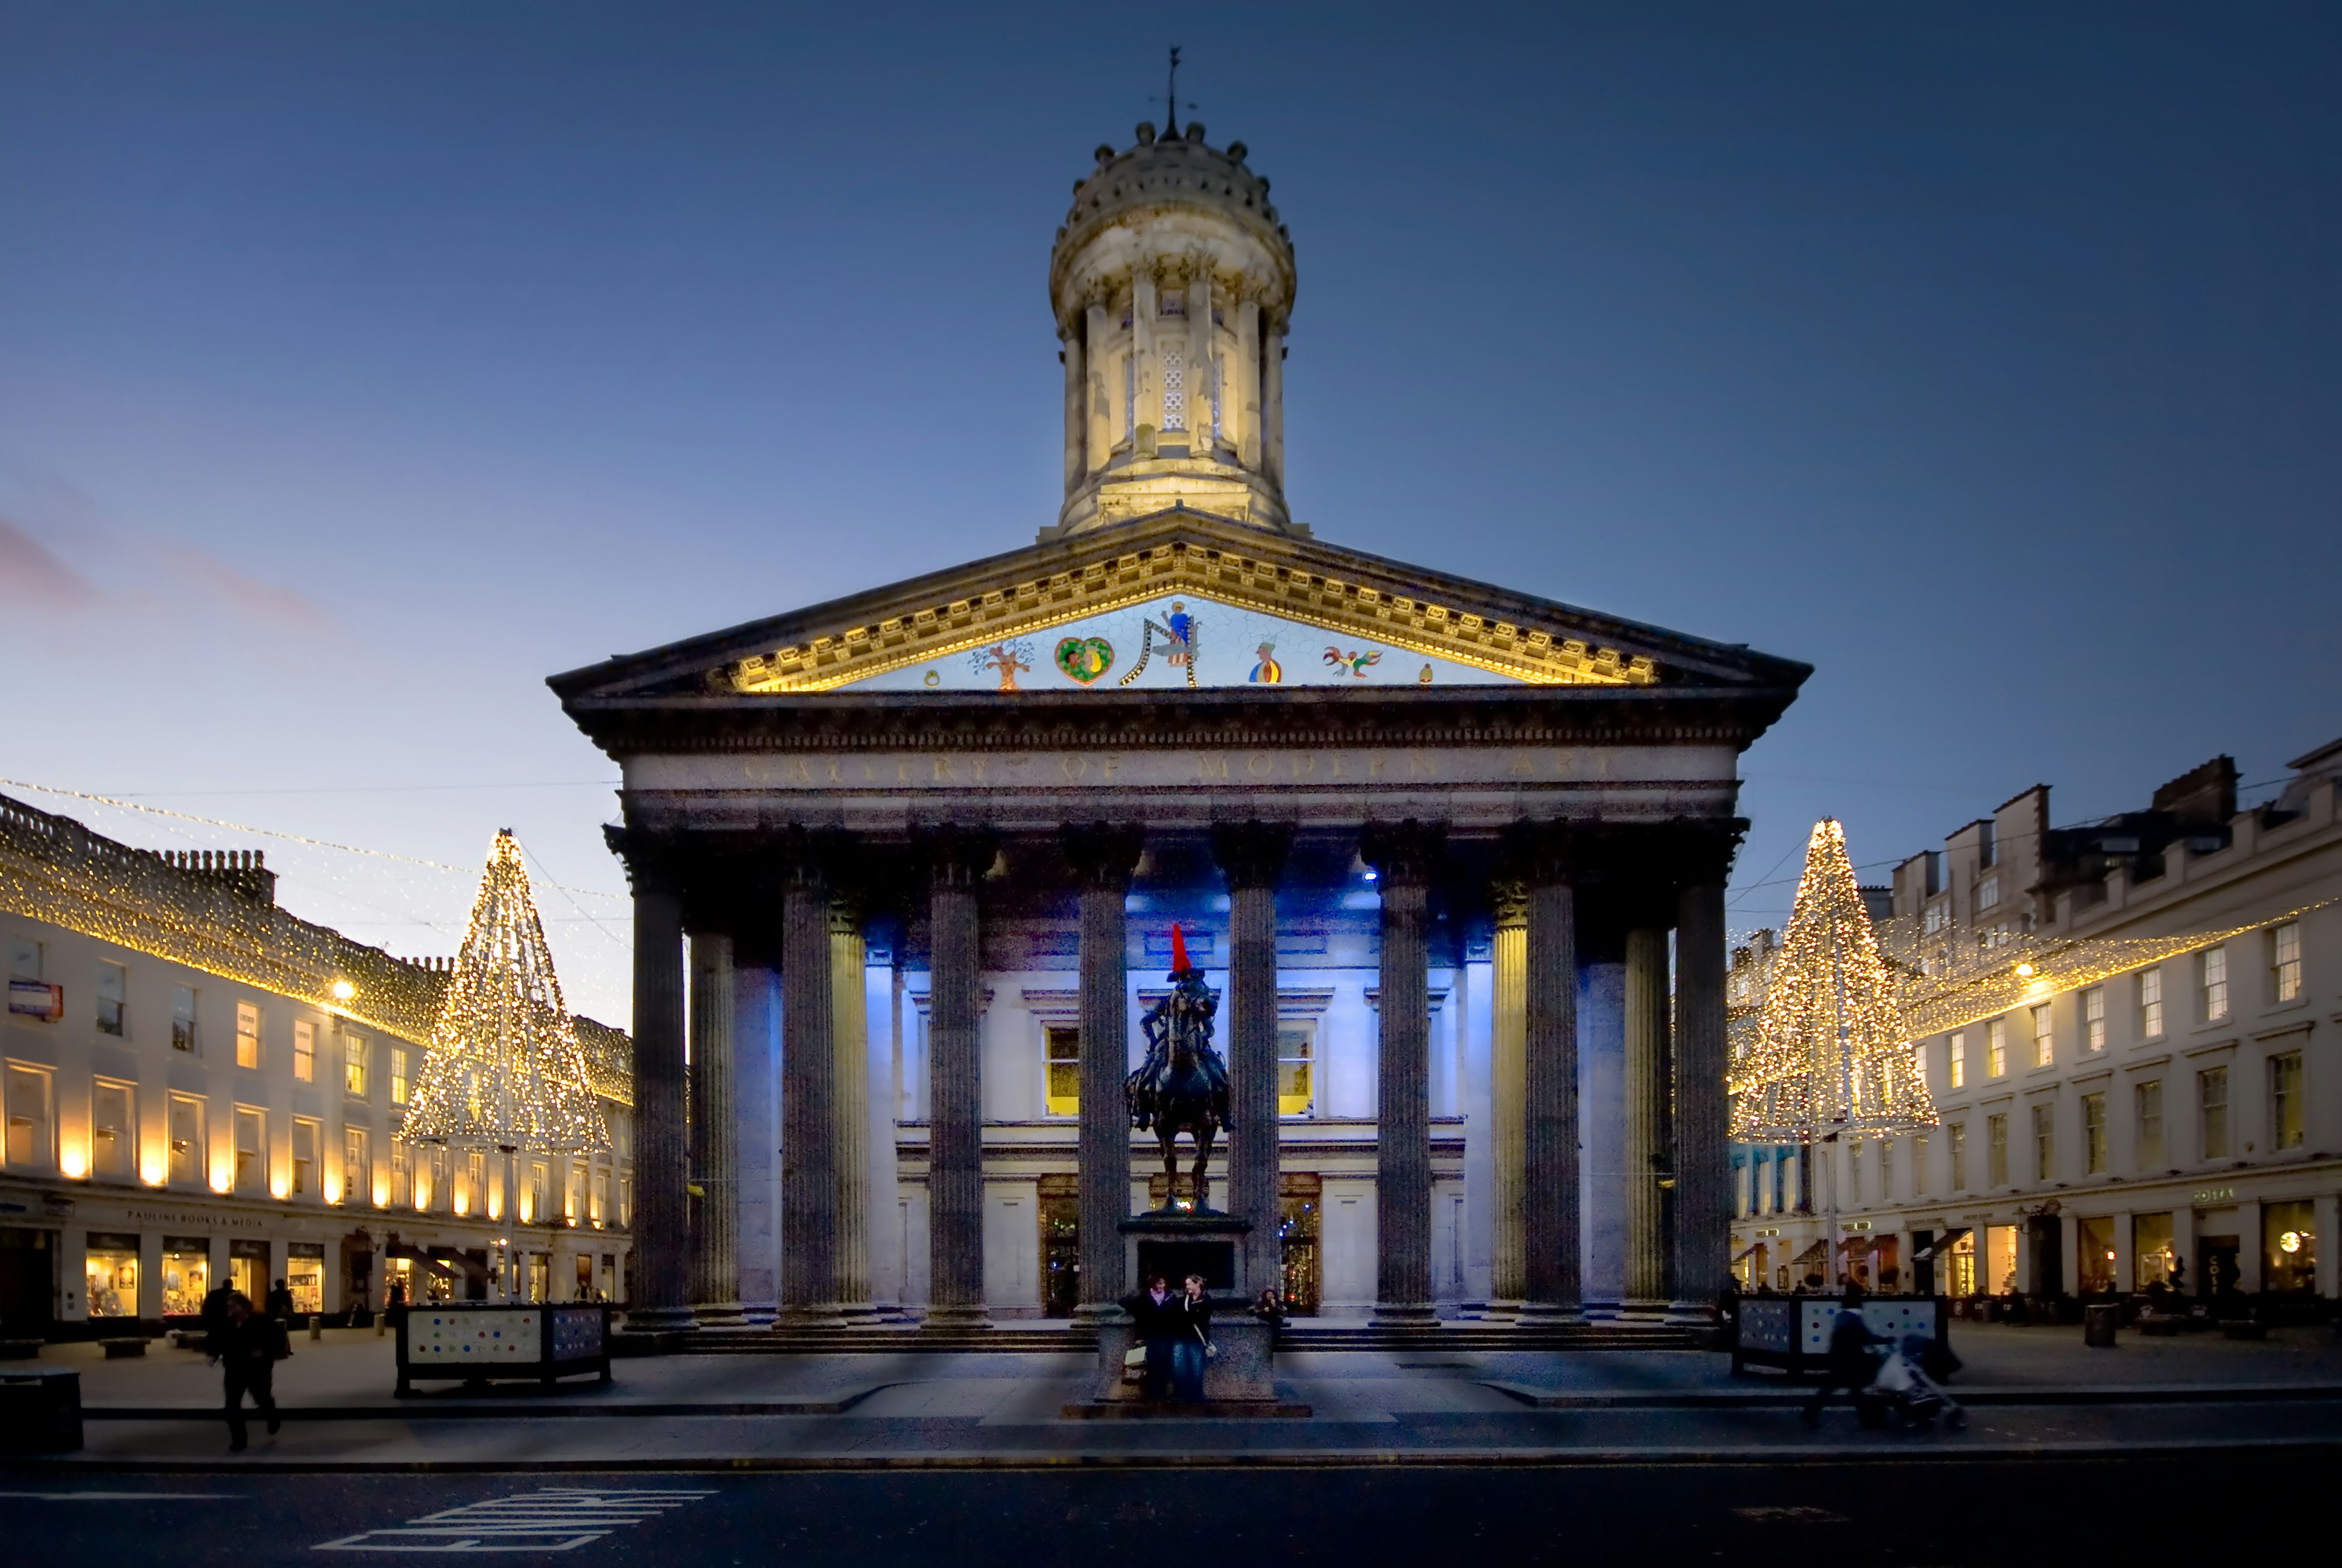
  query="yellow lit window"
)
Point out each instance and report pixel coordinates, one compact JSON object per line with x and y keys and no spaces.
{"x":2045,"y":1040}
{"x":248,"y":1034}
{"x":304,"y":1050}
{"x":1294,"y":1092}
{"x":251,"y":1161}
{"x":2284,"y":962}
{"x":354,"y":1064}
{"x":1959,"y":1059}
{"x":1995,"y":1047}
{"x":1063,"y":1045}
{"x":304,"y":1157}
{"x":398,"y":1075}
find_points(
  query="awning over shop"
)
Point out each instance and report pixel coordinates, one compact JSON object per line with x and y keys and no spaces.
{"x":1743,"y":1251}
{"x":1941,"y":1244}
{"x":1812,"y":1255}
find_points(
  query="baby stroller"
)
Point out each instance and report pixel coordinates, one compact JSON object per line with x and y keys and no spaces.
{"x":1902,"y":1391}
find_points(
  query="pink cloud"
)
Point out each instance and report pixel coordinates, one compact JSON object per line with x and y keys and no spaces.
{"x":287,"y":607}
{"x":31,"y":571}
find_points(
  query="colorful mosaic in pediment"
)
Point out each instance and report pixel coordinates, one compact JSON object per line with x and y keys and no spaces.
{"x":1171,"y":617}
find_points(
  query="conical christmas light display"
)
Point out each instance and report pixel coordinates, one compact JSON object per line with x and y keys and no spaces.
{"x":1831,"y":1057}
{"x":505,"y":1070}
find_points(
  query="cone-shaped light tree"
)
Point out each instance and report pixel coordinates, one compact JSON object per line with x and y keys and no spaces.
{"x":505,"y":1070}
{"x":1831,"y":1058}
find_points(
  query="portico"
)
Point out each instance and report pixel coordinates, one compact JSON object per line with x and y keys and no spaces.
{"x":1452,"y":854}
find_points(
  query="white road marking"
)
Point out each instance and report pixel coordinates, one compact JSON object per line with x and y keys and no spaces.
{"x":129,"y":1496}
{"x":560,"y":1519}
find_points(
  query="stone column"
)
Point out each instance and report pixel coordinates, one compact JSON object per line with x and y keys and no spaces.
{"x":1104,"y":856}
{"x":808,"y":1079}
{"x":850,"y":1107}
{"x":1146,"y":397}
{"x":1647,"y":1175}
{"x":1702,"y":1122}
{"x":715,"y":1148}
{"x":1246,"y":399}
{"x":1271,"y":403}
{"x":957,"y":859}
{"x":1403,"y":856}
{"x":1203,"y":383}
{"x":1078,"y":422}
{"x":1100,"y":417}
{"x":660,"y":1296}
{"x":1252,"y":855}
{"x":1550,"y":1230}
{"x":756,"y":1079}
{"x":1508,"y":1061}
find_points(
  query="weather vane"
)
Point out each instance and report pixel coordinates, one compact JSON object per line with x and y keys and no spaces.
{"x":1171,"y":104}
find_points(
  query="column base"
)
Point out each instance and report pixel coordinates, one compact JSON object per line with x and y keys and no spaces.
{"x":1642,"y":1311}
{"x":660,"y":1319}
{"x":1403,"y":1315}
{"x":855,"y":1312}
{"x":1699,"y":1315}
{"x":1551,"y":1314}
{"x":720,"y":1315}
{"x":956,"y":1317}
{"x":822,"y":1314}
{"x":1092,"y":1313}
{"x":1501,"y":1312}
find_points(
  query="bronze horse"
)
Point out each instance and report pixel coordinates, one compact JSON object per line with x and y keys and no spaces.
{"x":1183,"y":1085}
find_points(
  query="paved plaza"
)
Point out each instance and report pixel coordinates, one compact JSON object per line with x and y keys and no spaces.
{"x":2029,"y":1389}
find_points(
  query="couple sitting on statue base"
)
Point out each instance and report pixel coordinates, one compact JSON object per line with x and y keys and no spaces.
{"x":1174,"y":1329}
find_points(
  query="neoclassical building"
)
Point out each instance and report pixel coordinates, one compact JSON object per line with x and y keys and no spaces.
{"x":909,"y":862}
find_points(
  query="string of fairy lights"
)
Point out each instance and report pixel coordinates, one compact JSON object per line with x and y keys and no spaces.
{"x":401,"y":903}
{"x":505,"y":1069}
{"x":1829,"y":1053}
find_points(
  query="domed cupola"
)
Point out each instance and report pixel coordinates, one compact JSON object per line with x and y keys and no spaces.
{"x":1172,"y":281}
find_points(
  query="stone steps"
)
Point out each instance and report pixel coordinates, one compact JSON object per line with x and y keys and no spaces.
{"x":1062,"y":1339}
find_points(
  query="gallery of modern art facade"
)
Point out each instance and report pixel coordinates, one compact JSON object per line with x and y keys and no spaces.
{"x":1453,"y":857}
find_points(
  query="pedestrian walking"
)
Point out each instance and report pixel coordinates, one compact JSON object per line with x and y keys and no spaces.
{"x":280,"y":1302}
{"x":247,"y":1347}
{"x":1850,"y":1366}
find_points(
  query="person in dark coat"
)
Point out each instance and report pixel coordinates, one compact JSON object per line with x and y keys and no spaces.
{"x":1190,"y":1351}
{"x":280,"y":1302}
{"x":1155,"y":1324}
{"x":247,"y":1346}
{"x":1850,"y":1366}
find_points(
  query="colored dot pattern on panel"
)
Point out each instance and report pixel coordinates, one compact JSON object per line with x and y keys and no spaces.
{"x":474,"y":1336}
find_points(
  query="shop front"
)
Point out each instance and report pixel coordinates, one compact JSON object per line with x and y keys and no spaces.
{"x":111,"y":1276}
{"x":186,"y":1275}
{"x":2288,"y":1249}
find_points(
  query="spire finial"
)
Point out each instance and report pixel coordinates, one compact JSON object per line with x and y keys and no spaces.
{"x":1171,"y":104}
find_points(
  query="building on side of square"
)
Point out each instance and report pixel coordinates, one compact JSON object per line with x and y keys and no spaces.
{"x":1427,"y":837}
{"x":202,"y":1090}
{"x":2165,"y":1081}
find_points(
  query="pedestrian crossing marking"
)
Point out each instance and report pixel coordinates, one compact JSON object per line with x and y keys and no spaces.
{"x":559,"y":1519}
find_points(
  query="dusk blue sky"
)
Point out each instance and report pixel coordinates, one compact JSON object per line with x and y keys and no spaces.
{"x":361,"y":366}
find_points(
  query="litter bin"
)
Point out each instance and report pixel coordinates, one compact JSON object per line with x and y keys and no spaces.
{"x":40,"y":1410}
{"x":2100,"y":1321}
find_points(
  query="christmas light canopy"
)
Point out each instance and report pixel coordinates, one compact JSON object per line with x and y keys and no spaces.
{"x":1831,"y":1055}
{"x":505,"y":1069}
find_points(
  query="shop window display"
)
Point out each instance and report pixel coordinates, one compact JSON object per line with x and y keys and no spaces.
{"x":247,"y":1269}
{"x":2000,"y":1259}
{"x":2150,"y":1251}
{"x":187,"y":1277}
{"x":2288,"y":1249}
{"x":111,"y":1276}
{"x":304,"y":1276}
{"x":539,"y":1275}
{"x":2095,"y":1261}
{"x":1961,"y":1266}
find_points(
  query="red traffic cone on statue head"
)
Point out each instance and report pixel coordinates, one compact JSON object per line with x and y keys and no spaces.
{"x":1179,"y":965}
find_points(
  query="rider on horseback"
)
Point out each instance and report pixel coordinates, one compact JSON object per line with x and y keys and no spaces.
{"x":1179,"y":1025}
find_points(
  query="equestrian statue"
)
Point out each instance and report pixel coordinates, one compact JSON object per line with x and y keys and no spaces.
{"x":1183,"y":1085}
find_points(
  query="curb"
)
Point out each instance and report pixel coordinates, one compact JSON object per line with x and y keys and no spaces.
{"x":1973,"y":1399}
{"x":1751,"y":1457}
{"x":506,"y":1411}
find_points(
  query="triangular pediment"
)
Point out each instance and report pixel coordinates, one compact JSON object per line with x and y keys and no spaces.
{"x":1181,"y":598}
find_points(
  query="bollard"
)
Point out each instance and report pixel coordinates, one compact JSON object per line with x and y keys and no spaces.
{"x":2100,"y":1321}
{"x":316,"y":1325}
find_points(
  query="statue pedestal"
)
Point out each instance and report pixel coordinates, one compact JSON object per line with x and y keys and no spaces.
{"x":1240,"y":1378}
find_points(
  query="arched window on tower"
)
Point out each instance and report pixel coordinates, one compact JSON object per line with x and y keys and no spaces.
{"x":1175,"y":387}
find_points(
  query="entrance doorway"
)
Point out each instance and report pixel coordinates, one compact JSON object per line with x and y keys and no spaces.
{"x":1301,"y":1198}
{"x":1061,"y":1245}
{"x":28,"y":1282}
{"x":2215,"y":1265}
